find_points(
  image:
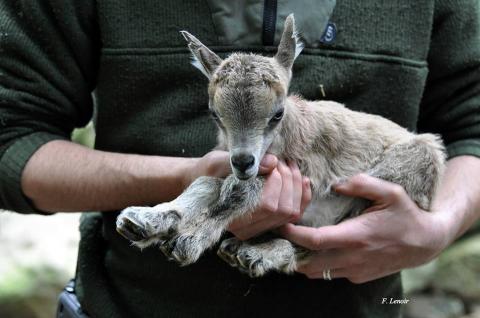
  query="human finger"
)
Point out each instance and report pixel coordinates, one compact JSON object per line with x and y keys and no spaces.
{"x":268,"y":163}
{"x":330,"y":259}
{"x":268,"y":205}
{"x":285,"y":201}
{"x":329,"y":274}
{"x":275,"y":217}
{"x":306,"y":196}
{"x":332,"y":236}
{"x":371,"y":188}
{"x":297,"y":190}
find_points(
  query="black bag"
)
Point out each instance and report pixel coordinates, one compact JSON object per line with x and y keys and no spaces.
{"x":68,"y":305}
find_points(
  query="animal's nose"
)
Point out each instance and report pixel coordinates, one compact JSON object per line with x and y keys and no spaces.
{"x":243,"y":161}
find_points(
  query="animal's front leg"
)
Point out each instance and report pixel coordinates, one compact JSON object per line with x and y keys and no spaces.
{"x":263,"y":254}
{"x":204,"y":229}
{"x":145,"y":226}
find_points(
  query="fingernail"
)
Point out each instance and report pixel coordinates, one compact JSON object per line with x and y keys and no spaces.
{"x":336,"y":186}
{"x":306,"y":181}
{"x":268,"y":160}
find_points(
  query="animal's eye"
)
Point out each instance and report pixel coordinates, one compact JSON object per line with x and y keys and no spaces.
{"x":278,"y":115}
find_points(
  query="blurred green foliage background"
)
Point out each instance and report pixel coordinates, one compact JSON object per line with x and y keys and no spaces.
{"x":38,"y":255}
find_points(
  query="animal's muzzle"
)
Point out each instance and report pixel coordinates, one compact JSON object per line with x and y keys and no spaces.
{"x":242,"y":161}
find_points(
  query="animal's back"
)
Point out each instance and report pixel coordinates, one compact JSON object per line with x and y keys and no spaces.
{"x":370,"y":144}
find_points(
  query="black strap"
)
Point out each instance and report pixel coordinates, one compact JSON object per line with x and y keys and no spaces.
{"x":269,"y":22}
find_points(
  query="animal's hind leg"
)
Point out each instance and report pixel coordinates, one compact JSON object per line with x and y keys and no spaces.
{"x":145,"y":226}
{"x":262,"y":254}
{"x":416,"y":165}
{"x":198,"y":233}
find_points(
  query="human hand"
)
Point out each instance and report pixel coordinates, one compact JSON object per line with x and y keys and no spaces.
{"x":285,"y":196}
{"x":215,"y":163}
{"x":393,"y":234}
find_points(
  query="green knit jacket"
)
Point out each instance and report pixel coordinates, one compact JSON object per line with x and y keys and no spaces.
{"x":414,"y":62}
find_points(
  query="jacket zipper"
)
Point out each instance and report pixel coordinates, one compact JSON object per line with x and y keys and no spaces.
{"x":269,"y":21}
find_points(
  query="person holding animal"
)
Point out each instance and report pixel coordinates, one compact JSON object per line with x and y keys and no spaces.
{"x":248,"y":100}
{"x":408,"y":64}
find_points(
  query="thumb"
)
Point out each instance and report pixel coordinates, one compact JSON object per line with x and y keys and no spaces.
{"x":217,"y":163}
{"x":341,"y":235}
{"x":367,"y":187}
{"x":268,"y":163}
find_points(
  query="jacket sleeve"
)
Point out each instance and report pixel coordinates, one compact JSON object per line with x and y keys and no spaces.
{"x":48,"y":62}
{"x":451,"y":103}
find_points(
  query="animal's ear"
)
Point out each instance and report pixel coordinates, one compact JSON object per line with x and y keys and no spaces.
{"x":203,"y":59}
{"x":290,"y":45}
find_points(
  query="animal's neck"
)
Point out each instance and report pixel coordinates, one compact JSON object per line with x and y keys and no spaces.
{"x":296,"y":132}
{"x":305,"y":128}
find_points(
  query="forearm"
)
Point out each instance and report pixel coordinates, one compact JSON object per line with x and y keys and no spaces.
{"x":63,"y":176}
{"x":458,"y":197}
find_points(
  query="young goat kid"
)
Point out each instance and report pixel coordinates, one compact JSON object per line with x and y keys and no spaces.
{"x":248,"y":100}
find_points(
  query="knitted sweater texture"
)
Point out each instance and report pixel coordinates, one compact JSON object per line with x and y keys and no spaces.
{"x":414,"y":62}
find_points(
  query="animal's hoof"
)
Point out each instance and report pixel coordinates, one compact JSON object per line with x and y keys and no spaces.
{"x":144,"y":226}
{"x":131,"y":229}
{"x":228,"y":251}
{"x":252,"y":263}
{"x":167,"y":248}
{"x":247,"y":258}
{"x":183,"y":249}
